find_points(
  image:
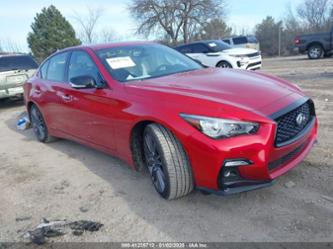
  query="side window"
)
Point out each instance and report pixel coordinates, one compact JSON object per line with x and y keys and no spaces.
{"x":81,"y":64}
{"x":227,"y":41}
{"x":43,"y":70}
{"x":56,"y":69}
{"x":199,"y":48}
{"x":185,"y":49}
{"x":239,"y":40}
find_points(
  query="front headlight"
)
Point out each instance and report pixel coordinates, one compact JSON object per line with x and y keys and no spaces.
{"x":220,"y":128}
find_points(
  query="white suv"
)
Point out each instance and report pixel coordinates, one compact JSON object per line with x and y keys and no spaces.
{"x":216,"y":53}
{"x":248,"y":41}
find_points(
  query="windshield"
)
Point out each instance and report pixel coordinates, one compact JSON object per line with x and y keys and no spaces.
{"x":8,"y":63}
{"x":218,"y":46}
{"x":141,"y":62}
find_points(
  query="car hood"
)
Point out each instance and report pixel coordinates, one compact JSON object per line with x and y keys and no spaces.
{"x":239,"y":51}
{"x":239,"y":88}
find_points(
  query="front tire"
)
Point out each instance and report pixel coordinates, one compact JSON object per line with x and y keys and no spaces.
{"x":315,"y":52}
{"x":39,"y":126}
{"x":224,"y":64}
{"x":167,"y":162}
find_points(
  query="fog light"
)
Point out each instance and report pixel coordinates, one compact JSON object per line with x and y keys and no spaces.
{"x":227,"y":173}
{"x":230,"y":173}
{"x":236,"y":163}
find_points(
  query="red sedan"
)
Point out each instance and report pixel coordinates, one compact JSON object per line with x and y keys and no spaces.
{"x":219,"y":130}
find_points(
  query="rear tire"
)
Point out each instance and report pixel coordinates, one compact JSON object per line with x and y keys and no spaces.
{"x":39,"y":125}
{"x":315,"y":52}
{"x":167,"y":162}
{"x":224,"y":64}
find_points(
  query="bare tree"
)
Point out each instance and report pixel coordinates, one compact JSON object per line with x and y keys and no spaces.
{"x":88,"y":24}
{"x":10,"y":46}
{"x":174,"y":18}
{"x":157,"y":16}
{"x":316,"y":14}
{"x":107,"y":35}
{"x":197,"y":13}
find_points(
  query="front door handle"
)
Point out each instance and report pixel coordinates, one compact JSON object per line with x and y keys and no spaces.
{"x":37,"y":90}
{"x":67,"y":98}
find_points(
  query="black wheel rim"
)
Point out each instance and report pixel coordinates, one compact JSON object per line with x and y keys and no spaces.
{"x":224,"y":65}
{"x":154,"y":163}
{"x":38,"y":124}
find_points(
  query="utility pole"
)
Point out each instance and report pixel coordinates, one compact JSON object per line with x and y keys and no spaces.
{"x":280,"y":28}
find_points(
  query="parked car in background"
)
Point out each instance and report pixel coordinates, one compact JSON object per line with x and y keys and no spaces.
{"x":221,"y":131}
{"x":15,"y":69}
{"x":247,"y":41}
{"x":315,"y":45}
{"x":215,"y":53}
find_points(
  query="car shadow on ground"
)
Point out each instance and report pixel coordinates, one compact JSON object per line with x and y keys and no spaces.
{"x":10,"y":103}
{"x":207,"y":218}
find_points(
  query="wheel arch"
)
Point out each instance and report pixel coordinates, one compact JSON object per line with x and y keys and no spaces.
{"x":29,"y":105}
{"x":314,"y":43}
{"x":224,"y":60}
{"x":136,"y":141}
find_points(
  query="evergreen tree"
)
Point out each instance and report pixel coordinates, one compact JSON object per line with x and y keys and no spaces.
{"x":267,"y":32}
{"x":50,"y":32}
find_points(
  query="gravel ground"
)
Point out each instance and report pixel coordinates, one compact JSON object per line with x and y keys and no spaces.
{"x":65,"y":180}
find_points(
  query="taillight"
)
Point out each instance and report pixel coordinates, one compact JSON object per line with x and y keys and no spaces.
{"x":297,"y":40}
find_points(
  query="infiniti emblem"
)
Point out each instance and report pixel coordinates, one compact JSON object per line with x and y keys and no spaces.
{"x":300,"y":119}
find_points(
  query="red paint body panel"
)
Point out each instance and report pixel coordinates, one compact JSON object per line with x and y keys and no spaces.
{"x":104,"y":118}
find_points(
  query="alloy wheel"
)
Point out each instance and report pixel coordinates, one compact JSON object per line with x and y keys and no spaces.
{"x":315,"y":52}
{"x":154,"y":163}
{"x":38,"y":124}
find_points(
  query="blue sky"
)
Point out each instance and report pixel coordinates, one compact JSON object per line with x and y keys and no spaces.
{"x":16,"y":16}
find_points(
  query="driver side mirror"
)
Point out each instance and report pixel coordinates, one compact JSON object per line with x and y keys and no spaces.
{"x":83,"y":82}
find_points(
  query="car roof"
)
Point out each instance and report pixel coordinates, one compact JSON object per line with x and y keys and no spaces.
{"x":198,"y":42}
{"x":12,"y":55}
{"x":96,"y":47}
{"x":237,"y":36}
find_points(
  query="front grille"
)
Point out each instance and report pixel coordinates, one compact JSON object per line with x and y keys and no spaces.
{"x":285,"y":159}
{"x":253,"y":54}
{"x":287,"y":126}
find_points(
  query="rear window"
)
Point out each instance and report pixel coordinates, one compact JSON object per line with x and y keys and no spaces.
{"x":239,"y":40}
{"x":56,"y":67}
{"x":8,"y":63}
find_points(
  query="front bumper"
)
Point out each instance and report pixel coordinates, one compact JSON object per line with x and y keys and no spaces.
{"x":207,"y":157}
{"x":253,"y":63}
{"x":11,"y":92}
{"x":247,"y":186}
